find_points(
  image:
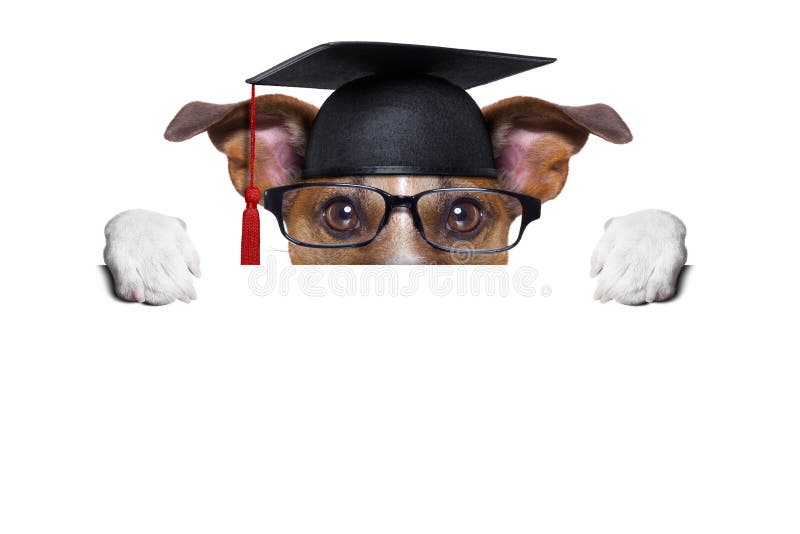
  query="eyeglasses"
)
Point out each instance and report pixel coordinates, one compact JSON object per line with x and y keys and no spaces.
{"x":457,"y":219}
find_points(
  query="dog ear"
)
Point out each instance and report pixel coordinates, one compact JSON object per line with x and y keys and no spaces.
{"x":533,"y":140}
{"x":282,"y":125}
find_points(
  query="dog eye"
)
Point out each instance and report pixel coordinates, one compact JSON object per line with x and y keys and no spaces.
{"x":340,"y":215}
{"x":464,"y":216}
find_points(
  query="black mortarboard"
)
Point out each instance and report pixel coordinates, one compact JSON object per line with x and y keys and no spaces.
{"x":397,"y":108}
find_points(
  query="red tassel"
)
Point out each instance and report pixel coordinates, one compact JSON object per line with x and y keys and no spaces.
{"x":251,"y":229}
{"x":251,"y":226}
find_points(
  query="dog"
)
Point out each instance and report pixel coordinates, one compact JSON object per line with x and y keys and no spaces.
{"x":637,"y":260}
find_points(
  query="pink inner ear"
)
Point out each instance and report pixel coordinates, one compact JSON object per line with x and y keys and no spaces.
{"x":282,"y":161}
{"x":519,"y":143}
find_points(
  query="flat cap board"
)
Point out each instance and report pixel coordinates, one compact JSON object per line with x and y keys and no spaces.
{"x":331,"y":65}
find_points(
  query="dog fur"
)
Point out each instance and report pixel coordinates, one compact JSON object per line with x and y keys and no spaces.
{"x":152,"y":259}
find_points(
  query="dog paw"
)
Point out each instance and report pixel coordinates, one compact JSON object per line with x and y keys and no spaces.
{"x":151,"y":257}
{"x":639,"y":257}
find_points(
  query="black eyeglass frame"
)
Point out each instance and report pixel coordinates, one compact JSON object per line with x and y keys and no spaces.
{"x":273,"y":202}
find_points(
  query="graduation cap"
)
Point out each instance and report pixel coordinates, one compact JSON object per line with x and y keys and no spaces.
{"x":396,"y":109}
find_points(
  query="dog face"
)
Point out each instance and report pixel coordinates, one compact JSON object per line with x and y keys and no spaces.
{"x":533,"y":141}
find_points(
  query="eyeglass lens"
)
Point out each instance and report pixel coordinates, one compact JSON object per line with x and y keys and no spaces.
{"x":346,"y":215}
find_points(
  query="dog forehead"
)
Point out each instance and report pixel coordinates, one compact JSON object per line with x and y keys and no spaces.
{"x":411,"y":184}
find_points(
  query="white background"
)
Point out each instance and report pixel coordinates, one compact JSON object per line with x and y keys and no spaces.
{"x":284,"y":414}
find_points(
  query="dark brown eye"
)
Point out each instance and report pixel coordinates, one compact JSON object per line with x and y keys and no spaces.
{"x":340,"y":215}
{"x":465,"y":216}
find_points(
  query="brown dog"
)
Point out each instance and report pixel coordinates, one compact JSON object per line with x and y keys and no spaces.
{"x":533,"y":141}
{"x":637,"y":260}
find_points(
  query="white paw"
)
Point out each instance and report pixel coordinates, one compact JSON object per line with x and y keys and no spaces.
{"x":151,"y":257}
{"x":639,"y":257}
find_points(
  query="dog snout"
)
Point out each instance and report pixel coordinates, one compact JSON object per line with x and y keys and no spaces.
{"x":402,"y":241}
